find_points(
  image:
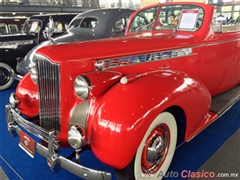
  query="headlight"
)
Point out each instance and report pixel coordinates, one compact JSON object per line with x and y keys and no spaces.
{"x":75,"y":138}
{"x":82,"y":87}
{"x":33,"y":73}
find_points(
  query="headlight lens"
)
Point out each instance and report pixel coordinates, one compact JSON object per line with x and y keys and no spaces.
{"x":82,"y":87}
{"x":75,"y":137}
{"x":33,"y":73}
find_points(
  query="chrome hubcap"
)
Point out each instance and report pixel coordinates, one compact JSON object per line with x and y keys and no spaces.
{"x":155,"y":149}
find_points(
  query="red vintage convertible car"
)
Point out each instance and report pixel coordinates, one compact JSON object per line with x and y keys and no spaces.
{"x":127,"y":98}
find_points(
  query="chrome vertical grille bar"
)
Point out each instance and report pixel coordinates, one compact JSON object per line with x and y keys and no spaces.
{"x":49,"y":95}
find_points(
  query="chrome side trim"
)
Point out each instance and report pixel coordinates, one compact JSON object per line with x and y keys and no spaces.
{"x":221,"y":42}
{"x":52,"y":156}
{"x":102,"y":64}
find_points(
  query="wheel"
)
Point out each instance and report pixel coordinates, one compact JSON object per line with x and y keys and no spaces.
{"x":155,"y":152}
{"x":6,"y":80}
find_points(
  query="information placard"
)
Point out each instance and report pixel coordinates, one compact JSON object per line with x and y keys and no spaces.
{"x":188,"y":19}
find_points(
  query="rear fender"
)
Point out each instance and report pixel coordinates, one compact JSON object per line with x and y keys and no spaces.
{"x":120,"y":117}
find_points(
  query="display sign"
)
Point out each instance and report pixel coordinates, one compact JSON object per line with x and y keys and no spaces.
{"x":27,"y":144}
{"x":34,"y":26}
{"x":188,"y":19}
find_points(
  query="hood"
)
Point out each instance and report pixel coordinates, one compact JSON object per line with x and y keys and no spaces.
{"x":117,"y":47}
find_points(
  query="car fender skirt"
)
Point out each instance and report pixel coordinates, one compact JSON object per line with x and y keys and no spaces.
{"x":123,"y":114}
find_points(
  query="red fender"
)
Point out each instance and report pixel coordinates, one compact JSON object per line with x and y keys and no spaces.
{"x":27,"y":93}
{"x":120,"y":117}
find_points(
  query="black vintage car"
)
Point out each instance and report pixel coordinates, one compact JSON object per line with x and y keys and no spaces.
{"x":11,"y":25}
{"x":13,"y":46}
{"x":93,"y":24}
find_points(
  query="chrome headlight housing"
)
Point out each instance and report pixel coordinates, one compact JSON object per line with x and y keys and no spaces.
{"x":82,"y":87}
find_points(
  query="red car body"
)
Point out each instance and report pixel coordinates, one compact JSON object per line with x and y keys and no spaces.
{"x":135,"y":78}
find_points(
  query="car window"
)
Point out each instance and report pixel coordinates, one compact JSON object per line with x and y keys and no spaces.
{"x":75,"y":23}
{"x":143,"y":19}
{"x":88,"y":22}
{"x":3,"y":28}
{"x":32,"y":26}
{"x":13,"y":28}
{"x":119,"y":25}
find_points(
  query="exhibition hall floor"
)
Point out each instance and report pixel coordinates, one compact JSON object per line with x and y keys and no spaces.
{"x":213,"y":152}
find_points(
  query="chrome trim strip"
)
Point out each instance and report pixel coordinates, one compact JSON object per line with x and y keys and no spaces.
{"x":142,"y":58}
{"x":221,"y":42}
{"x":49,"y":153}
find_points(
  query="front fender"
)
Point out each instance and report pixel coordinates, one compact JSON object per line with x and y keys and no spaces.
{"x":27,"y":93}
{"x":123,"y":114}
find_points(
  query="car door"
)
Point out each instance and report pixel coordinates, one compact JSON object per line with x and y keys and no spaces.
{"x":221,"y":63}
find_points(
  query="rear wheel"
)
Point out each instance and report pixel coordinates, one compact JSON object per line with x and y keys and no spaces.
{"x":6,"y":80}
{"x":155,"y":151}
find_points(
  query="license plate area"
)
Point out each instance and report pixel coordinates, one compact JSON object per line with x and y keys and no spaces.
{"x":27,"y":144}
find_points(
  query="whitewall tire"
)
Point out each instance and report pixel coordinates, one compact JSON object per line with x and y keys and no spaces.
{"x":6,"y":80}
{"x":155,"y":152}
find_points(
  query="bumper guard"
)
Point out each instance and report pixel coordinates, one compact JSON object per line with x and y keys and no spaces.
{"x":55,"y":161}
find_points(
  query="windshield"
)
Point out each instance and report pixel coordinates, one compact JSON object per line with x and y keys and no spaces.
{"x":32,"y":26}
{"x":169,"y":16}
{"x":143,"y":19}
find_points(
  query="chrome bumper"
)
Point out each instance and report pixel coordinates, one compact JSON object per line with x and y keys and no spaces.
{"x":57,"y":161}
{"x":16,"y":76}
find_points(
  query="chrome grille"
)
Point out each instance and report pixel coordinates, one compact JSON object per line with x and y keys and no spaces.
{"x":49,"y":95}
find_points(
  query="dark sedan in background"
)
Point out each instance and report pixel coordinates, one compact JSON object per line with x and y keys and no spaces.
{"x":11,"y":25}
{"x":93,"y":24}
{"x":13,"y":46}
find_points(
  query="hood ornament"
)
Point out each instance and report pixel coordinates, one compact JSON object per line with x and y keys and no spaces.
{"x":48,"y":32}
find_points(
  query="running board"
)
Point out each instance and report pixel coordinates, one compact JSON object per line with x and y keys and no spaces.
{"x":222,"y":102}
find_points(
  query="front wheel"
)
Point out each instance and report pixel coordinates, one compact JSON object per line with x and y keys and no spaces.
{"x":155,"y":152}
{"x":6,"y":80}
